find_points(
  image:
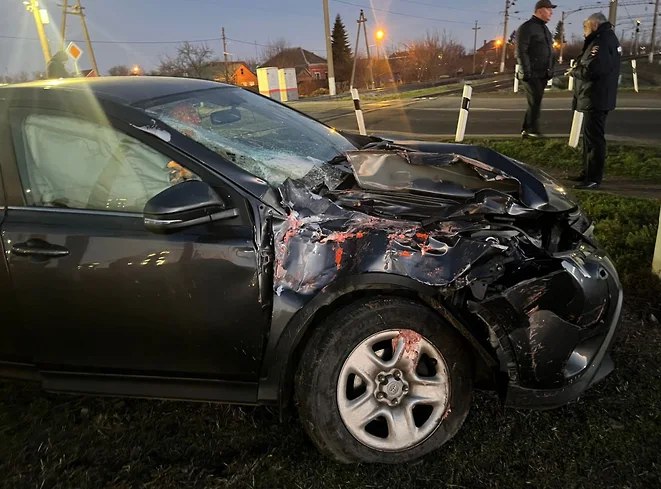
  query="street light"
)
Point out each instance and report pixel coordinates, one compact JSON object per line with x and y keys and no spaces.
{"x":379,"y":35}
{"x":40,"y":18}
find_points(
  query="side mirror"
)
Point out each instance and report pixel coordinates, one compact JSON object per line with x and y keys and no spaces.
{"x":225,"y":116}
{"x":183,"y":205}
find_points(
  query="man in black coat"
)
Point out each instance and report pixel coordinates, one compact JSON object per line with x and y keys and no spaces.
{"x":534,"y":53}
{"x":597,"y":74}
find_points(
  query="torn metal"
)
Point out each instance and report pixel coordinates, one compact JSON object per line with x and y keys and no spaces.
{"x":500,"y":241}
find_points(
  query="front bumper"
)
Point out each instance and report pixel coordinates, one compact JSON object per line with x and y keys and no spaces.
{"x":600,"y":366}
{"x":555,"y":331}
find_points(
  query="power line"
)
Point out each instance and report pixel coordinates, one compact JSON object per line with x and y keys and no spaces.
{"x":444,"y":7}
{"x":445,"y":21}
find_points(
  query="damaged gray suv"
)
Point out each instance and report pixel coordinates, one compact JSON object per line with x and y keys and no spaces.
{"x":182,"y":239}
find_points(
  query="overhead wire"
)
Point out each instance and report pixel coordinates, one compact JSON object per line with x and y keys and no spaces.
{"x":401,"y":14}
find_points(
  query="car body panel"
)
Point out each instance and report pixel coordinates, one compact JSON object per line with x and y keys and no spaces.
{"x":499,"y":250}
{"x":153,"y":304}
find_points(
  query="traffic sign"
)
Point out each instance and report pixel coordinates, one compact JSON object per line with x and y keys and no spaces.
{"x":74,"y":51}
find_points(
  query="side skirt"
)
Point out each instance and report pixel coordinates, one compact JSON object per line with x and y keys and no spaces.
{"x":140,"y":386}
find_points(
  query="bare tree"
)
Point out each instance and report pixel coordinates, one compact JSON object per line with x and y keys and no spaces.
{"x":191,"y":60}
{"x":274,"y":47}
{"x":432,"y":56}
{"x":119,"y":70}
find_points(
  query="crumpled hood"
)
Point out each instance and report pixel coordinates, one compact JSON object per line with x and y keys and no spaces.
{"x":459,"y":173}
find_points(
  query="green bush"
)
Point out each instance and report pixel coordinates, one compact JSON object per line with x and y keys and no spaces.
{"x":627,"y":229}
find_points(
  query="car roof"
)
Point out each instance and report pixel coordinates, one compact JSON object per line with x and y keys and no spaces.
{"x":130,"y":90}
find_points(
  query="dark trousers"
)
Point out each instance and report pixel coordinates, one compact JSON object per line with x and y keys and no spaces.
{"x":594,"y":144}
{"x":534,"y":92}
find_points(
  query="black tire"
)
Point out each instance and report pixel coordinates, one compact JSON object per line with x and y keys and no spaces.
{"x":319,"y":384}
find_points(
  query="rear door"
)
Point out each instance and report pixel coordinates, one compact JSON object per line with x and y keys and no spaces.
{"x":95,"y":289}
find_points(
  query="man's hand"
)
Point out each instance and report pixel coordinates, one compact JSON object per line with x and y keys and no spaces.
{"x":526,"y":77}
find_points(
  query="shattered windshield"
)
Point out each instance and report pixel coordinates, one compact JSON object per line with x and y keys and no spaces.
{"x":262,"y":137}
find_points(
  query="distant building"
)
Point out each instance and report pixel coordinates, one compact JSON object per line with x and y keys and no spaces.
{"x":311,"y":69}
{"x":239,"y":73}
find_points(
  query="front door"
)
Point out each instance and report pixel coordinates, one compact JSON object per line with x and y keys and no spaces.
{"x":95,"y":289}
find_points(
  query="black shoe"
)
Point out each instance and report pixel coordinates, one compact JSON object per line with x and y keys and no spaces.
{"x":587,"y":186}
{"x":531,"y":134}
{"x":576,"y":178}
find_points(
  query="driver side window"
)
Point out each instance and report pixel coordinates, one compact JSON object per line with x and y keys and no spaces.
{"x":65,"y":161}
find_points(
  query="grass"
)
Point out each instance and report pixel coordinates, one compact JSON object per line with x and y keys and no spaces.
{"x":624,"y":160}
{"x":608,"y":439}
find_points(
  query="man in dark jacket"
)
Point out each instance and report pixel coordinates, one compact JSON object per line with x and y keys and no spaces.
{"x":534,"y":53}
{"x":597,"y":73}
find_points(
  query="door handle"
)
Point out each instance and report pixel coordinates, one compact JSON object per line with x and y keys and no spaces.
{"x":39,"y":247}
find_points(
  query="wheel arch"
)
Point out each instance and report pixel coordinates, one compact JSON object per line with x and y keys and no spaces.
{"x":285,"y":348}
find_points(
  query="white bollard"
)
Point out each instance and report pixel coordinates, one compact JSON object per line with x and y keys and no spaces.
{"x":516,"y":78}
{"x":576,"y":126}
{"x":635,"y":75}
{"x":463,"y":113}
{"x":359,"y":112}
{"x":570,"y":85}
{"x":656,"y":261}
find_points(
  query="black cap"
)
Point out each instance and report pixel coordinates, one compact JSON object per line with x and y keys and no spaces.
{"x":544,"y":4}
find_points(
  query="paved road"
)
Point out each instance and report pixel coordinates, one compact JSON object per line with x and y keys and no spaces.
{"x":638,"y":116}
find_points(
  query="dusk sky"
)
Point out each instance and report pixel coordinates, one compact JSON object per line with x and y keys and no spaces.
{"x":128,"y":32}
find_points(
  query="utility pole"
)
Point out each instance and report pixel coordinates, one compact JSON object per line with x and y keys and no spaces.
{"x":612,"y":12}
{"x":362,"y":20}
{"x":476,"y":28}
{"x":508,"y":4}
{"x":33,"y":7}
{"x":355,"y":51}
{"x":227,"y":74}
{"x":79,"y":10}
{"x":329,"y":51}
{"x":367,"y":48}
{"x":562,"y":37}
{"x":65,"y":7}
{"x":653,"y":40}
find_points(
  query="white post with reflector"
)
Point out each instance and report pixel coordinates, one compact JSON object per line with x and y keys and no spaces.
{"x":516,"y":78}
{"x":635,"y":75}
{"x":359,"y":113}
{"x":656,"y":261}
{"x":576,"y":126}
{"x":463,"y":113}
{"x":570,"y":84}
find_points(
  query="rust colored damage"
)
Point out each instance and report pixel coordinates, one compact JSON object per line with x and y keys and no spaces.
{"x":338,"y":257}
{"x":409,"y":342}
